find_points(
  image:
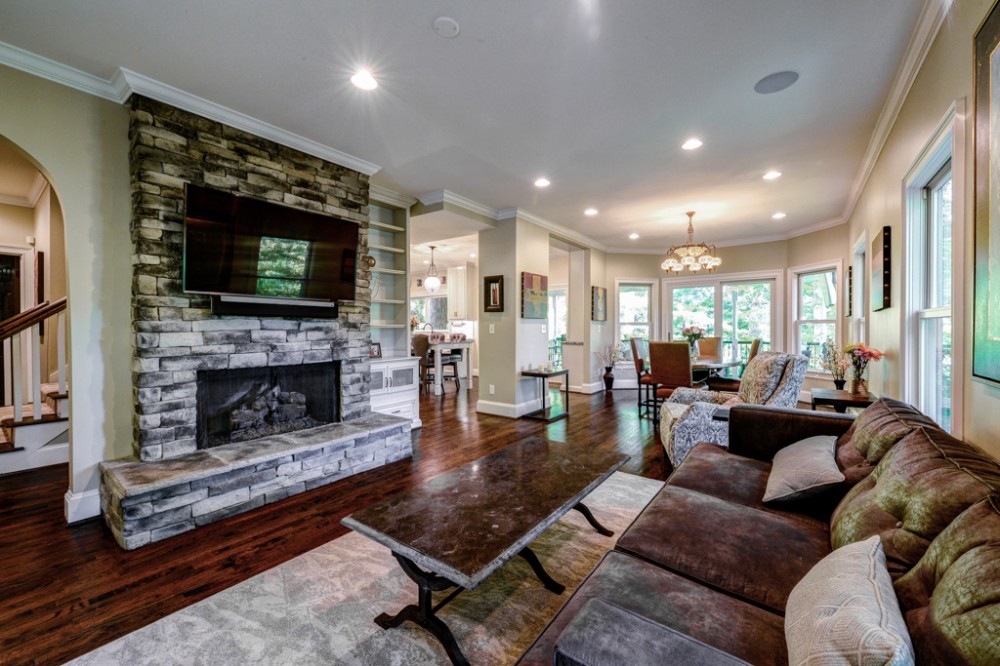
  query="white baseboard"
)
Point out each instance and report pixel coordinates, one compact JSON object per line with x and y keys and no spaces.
{"x":806,"y":397}
{"x":505,"y":409}
{"x":81,"y":506}
{"x":621,"y":383}
{"x":593,"y":387}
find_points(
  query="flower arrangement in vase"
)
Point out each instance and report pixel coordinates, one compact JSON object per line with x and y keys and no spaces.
{"x":860,"y":356}
{"x":836,"y":363}
{"x":610,"y":355}
{"x":693,"y":334}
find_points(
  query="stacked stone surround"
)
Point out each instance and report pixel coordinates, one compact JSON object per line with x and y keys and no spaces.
{"x":170,"y":486}
{"x":143,"y":502}
{"x":176,"y":334}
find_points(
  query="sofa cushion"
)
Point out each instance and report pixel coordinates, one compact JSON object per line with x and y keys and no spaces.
{"x":918,"y":488}
{"x":845,"y":612}
{"x":951,"y":597}
{"x":733,"y":626}
{"x":802,"y":470}
{"x":874,"y":432}
{"x":713,"y":470}
{"x":752,"y":554}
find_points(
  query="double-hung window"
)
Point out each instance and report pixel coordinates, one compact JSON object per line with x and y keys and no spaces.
{"x":933,"y":301}
{"x":815,"y":313}
{"x":635,"y":311}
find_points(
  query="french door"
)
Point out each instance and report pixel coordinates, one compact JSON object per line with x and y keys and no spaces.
{"x":737,"y":308}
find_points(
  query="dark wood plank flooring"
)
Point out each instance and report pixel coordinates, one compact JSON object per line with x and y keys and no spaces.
{"x":65,"y":590}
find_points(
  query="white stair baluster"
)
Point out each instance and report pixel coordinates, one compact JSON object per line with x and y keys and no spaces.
{"x":61,"y":350}
{"x":15,"y":346}
{"x":8,"y":364}
{"x":36,"y":373}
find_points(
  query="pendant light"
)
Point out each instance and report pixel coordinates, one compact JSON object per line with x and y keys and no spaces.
{"x":692,"y":256}
{"x":432,"y":282}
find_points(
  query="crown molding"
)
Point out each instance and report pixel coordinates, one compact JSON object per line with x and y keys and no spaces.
{"x":126,"y":82}
{"x":162,"y":92}
{"x":45,"y":68}
{"x":447,"y":197}
{"x":8,"y":200}
{"x":383,"y":195}
{"x":929,"y":23}
{"x":564,"y":232}
{"x":38,"y":186}
{"x":748,"y":240}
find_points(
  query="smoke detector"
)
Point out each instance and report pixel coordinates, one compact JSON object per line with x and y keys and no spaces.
{"x":446,"y":27}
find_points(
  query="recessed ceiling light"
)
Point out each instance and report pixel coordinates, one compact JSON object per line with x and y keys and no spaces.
{"x":426,"y":261}
{"x":776,"y":82}
{"x":633,"y":236}
{"x":691,"y":144}
{"x":590,"y":212}
{"x":771,"y":175}
{"x":472,"y":254}
{"x":542,"y":182}
{"x":779,"y":216}
{"x":364,"y":80}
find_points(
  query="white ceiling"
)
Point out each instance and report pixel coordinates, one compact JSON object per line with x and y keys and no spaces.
{"x":595,"y":95}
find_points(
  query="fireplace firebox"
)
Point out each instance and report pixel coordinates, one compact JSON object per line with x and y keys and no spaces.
{"x":237,"y":405}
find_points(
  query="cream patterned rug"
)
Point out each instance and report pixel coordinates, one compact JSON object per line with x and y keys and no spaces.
{"x":319,"y":607}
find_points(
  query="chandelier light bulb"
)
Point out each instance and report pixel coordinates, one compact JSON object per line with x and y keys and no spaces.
{"x":691,"y":255}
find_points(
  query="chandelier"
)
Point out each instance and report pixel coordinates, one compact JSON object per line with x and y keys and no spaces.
{"x":432,"y":282}
{"x":692,"y":256}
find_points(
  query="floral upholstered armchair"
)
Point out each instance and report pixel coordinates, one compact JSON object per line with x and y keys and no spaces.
{"x":687,"y":418}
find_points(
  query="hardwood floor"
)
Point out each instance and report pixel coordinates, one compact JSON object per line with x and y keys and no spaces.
{"x":65,"y":590}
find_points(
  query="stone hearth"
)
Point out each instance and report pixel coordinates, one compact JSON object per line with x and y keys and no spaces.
{"x":143,"y":502}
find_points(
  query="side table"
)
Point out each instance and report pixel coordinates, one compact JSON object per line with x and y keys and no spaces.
{"x":546,"y":413}
{"x":840,"y":400}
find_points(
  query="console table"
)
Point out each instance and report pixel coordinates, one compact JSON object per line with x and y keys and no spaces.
{"x":840,"y":400}
{"x":547,"y":414}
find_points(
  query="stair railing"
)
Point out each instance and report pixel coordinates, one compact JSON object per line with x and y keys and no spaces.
{"x":11,"y":330}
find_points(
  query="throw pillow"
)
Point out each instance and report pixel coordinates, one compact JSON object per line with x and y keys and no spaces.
{"x":802,"y":469}
{"x":844,"y":611}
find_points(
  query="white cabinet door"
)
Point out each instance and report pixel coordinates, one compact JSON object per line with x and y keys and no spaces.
{"x":457,"y":294}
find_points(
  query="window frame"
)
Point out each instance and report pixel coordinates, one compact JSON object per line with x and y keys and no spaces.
{"x":948,"y":143}
{"x":795,"y":273}
{"x":653,"y":285}
{"x":717,"y":281}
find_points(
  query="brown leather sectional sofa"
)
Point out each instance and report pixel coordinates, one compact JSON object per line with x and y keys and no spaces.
{"x":712,"y":566}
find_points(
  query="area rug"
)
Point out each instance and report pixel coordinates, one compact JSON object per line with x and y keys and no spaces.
{"x":319,"y":607}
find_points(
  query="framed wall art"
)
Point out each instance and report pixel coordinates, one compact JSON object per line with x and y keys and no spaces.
{"x":881,"y":270}
{"x":493,"y":293}
{"x":376,"y":350}
{"x":598,"y":304}
{"x":986,"y":318}
{"x":534,"y":296}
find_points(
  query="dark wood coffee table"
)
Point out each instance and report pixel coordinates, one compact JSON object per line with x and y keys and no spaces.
{"x":457,"y":529}
{"x":841,"y":400}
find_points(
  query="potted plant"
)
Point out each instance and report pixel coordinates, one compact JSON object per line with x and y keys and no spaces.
{"x":610,"y":355}
{"x":835,"y":362}
{"x":693,"y":334}
{"x":860,"y":356}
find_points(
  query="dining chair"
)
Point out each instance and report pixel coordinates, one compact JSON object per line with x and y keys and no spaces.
{"x":716,"y":383}
{"x":709,"y":347}
{"x":645,"y":381}
{"x":421,"y":349}
{"x":670,"y":369}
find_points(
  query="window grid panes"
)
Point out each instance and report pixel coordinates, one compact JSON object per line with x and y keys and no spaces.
{"x":816,"y":315}
{"x":693,"y":306}
{"x":635,"y":311}
{"x":934,"y":347}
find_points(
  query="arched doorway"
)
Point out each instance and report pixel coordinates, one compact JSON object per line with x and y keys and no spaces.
{"x":34,"y":417}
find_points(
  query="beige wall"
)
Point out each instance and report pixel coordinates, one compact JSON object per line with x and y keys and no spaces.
{"x":945,"y":77}
{"x":80,"y":143}
{"x":16,"y":222}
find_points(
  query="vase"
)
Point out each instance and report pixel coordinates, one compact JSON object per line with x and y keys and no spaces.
{"x":695,"y":350}
{"x":609,"y":378}
{"x":839,"y":384}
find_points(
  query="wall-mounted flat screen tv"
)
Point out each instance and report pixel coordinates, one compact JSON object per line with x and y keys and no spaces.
{"x":237,"y":246}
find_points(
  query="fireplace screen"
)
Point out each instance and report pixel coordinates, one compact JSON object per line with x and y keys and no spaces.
{"x":239,"y":405}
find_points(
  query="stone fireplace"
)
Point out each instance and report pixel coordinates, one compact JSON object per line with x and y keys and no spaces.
{"x":282,"y":434}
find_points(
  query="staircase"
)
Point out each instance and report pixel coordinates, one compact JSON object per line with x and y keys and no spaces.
{"x":34,"y":431}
